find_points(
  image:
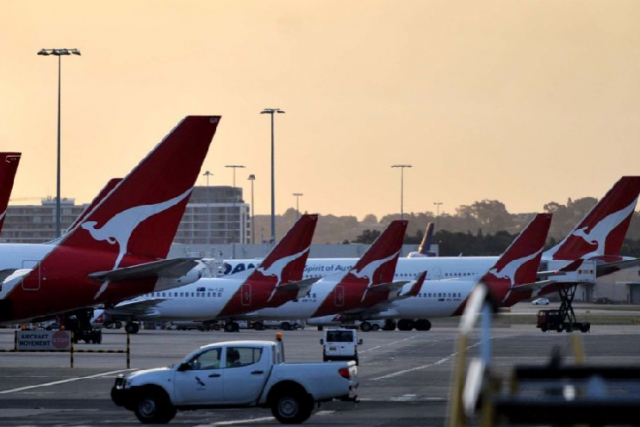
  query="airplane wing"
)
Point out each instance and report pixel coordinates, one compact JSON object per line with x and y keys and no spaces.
{"x":168,"y":268}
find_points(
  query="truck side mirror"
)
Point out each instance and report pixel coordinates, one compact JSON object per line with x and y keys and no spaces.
{"x":184,"y":367}
{"x":321,"y":341}
{"x":360,"y":341}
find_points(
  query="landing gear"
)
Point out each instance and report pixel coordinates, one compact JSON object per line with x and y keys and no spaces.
{"x":406,"y":324}
{"x":258,"y":326}
{"x":563,"y":319}
{"x":79,"y":322}
{"x":365,"y":326}
{"x":286,"y":326}
{"x":132,"y":328}
{"x":422,"y":325}
{"x":231,"y":327}
{"x":389,"y":325}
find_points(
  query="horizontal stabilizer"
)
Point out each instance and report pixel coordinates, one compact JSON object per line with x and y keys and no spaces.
{"x":388,"y":287}
{"x":415,"y":288}
{"x":302,"y":286}
{"x":536,"y":286}
{"x":169,"y":268}
{"x":612,"y":267}
{"x":142,"y":307}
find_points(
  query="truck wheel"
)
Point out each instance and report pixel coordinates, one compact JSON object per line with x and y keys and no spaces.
{"x":154,"y":408}
{"x":289,"y":407}
{"x":365,"y":326}
{"x":543,"y":328}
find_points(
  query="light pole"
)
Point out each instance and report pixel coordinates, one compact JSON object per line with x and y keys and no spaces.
{"x":402,"y":167}
{"x":208,"y":174}
{"x":253,"y":212}
{"x":272,"y":111}
{"x":234,"y":167}
{"x":438,"y":204}
{"x":59,"y":53}
{"x":298,"y":195}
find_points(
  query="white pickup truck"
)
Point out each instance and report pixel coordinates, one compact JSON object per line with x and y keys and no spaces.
{"x":235,"y":374}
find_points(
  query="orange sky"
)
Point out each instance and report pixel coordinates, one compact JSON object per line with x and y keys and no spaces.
{"x":521,"y":101}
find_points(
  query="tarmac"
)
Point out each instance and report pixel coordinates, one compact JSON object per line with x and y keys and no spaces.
{"x":404,"y":377}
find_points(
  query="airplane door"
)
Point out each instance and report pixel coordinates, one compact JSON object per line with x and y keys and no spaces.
{"x":245,"y":294}
{"x":33,"y":282}
{"x":339,"y":296}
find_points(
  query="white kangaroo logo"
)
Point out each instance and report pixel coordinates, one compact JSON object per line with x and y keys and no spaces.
{"x":599,"y":233}
{"x":510,"y":270}
{"x":278,"y":266}
{"x":370,"y":269}
{"x":120,"y":227}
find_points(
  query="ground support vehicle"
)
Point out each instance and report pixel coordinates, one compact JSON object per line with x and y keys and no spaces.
{"x":554,"y":320}
{"x":235,"y":374}
{"x":340,"y":344}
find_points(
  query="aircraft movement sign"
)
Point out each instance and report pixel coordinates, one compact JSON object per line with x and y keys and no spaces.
{"x":43,"y":340}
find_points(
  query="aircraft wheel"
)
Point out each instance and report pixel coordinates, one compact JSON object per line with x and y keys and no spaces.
{"x":132,"y":328}
{"x":406,"y":324}
{"x":585,"y":327}
{"x":228,"y":327}
{"x":422,"y":325}
{"x":285,"y":326}
{"x":375,"y":327}
{"x":258,"y":326}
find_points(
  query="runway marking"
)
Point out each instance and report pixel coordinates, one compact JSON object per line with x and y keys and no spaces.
{"x":255,"y":420}
{"x":418,"y":368}
{"x":69,"y":380}
{"x":386,"y":345}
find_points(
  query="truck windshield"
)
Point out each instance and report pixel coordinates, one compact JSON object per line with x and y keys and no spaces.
{"x":339,"y":336}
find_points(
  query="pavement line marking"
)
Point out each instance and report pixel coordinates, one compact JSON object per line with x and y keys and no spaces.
{"x":255,"y":420}
{"x":385,"y":345}
{"x":16,"y":390}
{"x":231,"y":423}
{"x":418,"y":368}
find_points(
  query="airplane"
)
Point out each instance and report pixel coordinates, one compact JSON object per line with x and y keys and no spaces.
{"x":8,"y":166}
{"x":424,"y":250}
{"x":591,"y":250}
{"x":514,"y":271}
{"x":118,"y":250}
{"x":368,"y":283}
{"x":276,"y":280}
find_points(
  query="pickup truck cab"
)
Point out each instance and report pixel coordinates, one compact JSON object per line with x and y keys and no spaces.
{"x":235,"y":374}
{"x":340,"y":344}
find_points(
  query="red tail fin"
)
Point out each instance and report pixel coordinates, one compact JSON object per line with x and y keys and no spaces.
{"x":602,"y":231}
{"x":519,"y":263}
{"x":106,"y":190}
{"x":140,"y":216}
{"x":287,"y":259}
{"x":284,"y":264}
{"x":8,"y":166}
{"x":378,"y":264}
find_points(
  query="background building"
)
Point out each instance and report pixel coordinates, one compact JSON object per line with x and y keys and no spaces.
{"x":215,"y":215}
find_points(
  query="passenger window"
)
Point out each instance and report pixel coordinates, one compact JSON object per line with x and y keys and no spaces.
{"x":242,"y":356}
{"x":207,"y":360}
